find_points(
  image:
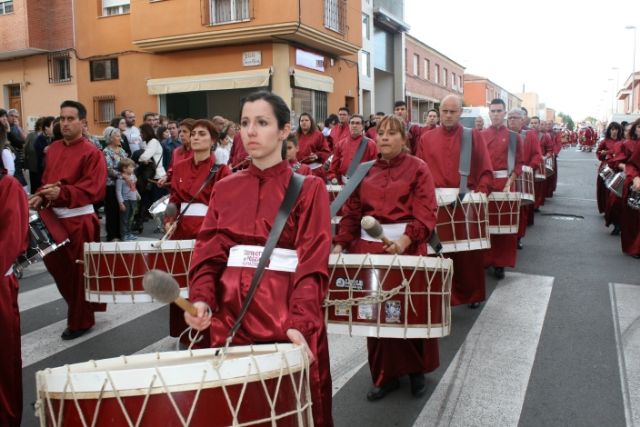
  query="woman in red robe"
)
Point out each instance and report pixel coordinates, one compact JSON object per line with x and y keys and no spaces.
{"x":13,"y":241}
{"x":630,"y":218}
{"x":313,"y":147}
{"x":181,"y":153}
{"x":605,"y":151}
{"x":398,"y":189}
{"x":287,"y":305}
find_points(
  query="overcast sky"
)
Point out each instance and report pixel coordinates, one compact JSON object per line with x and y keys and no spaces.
{"x":563,"y":50}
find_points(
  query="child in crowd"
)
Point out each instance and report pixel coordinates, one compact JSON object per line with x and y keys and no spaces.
{"x":127,"y":196}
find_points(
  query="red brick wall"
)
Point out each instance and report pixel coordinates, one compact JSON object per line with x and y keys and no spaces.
{"x":12,"y":28}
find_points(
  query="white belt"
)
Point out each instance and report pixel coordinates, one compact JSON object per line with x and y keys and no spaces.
{"x":248,"y":256}
{"x":195,"y":209}
{"x":9,"y":272}
{"x":71,"y":212}
{"x":501,"y":174}
{"x":390,"y":231}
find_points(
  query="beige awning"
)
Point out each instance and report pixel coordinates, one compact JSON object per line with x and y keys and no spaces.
{"x":220,"y":81}
{"x":313,"y":81}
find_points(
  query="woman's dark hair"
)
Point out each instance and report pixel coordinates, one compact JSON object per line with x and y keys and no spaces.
{"x":46,"y":122}
{"x":614,"y":125}
{"x":188,"y":123}
{"x":313,"y":124}
{"x":115,"y":122}
{"x":146,"y":132}
{"x":279,"y":107}
{"x":3,"y":131}
{"x":38,"y":126}
{"x":57,"y":132}
{"x":208,"y":125}
{"x":159,"y":133}
{"x":632,"y":131}
{"x":332,"y":119}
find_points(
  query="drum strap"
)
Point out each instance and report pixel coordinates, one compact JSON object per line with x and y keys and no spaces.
{"x":290,"y":197}
{"x":351,"y":186}
{"x":358,"y":156}
{"x":465,"y":160}
{"x":212,"y":173}
{"x":513,"y":147}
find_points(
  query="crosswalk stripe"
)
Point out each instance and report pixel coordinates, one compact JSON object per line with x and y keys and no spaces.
{"x":348,"y":356}
{"x":45,"y":342}
{"x":625,"y":307}
{"x":165,"y":344}
{"x":486,"y":382}
{"x":37,"y":297}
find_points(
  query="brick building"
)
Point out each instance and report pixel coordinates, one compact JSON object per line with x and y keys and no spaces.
{"x":430,"y":76}
{"x":479,"y":91}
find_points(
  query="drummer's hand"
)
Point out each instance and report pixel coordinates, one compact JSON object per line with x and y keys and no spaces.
{"x":337,"y":249}
{"x":35,"y":202}
{"x":202,"y":321}
{"x":50,"y":192}
{"x":398,"y":246}
{"x":167,"y":226}
{"x":297,"y":338}
{"x":162,"y":181}
{"x":636,"y":183}
{"x":621,"y":166}
{"x":313,"y":157}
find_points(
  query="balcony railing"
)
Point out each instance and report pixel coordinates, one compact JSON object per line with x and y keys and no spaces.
{"x":225,"y":11}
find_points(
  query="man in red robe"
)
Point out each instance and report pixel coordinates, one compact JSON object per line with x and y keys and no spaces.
{"x":344,"y":153}
{"x":413,"y":130}
{"x":432,"y":120}
{"x":629,"y":217}
{"x":74,"y":179}
{"x":546,"y":149}
{"x":341,"y":130}
{"x":372,"y":132}
{"x":556,"y":146}
{"x":13,"y":241}
{"x":440,"y":148}
{"x":503,"y":250}
{"x":531,"y":157}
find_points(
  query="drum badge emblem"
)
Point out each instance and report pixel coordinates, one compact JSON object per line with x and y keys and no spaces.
{"x":392,"y":311}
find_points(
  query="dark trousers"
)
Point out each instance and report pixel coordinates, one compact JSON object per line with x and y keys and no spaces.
{"x":126,"y":217}
{"x":112,"y":213}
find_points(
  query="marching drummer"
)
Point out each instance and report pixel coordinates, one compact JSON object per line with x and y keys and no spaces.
{"x":546,"y":148}
{"x":288,"y":301}
{"x":13,"y":241}
{"x":73,"y":180}
{"x":345,"y":151}
{"x":191,"y":187}
{"x":398,"y":190}
{"x":440,"y":149}
{"x":630,"y":218}
{"x":605,"y":152}
{"x":503,"y":252}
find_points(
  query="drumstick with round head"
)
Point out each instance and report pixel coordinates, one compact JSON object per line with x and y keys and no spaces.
{"x":164,"y":288}
{"x":373,"y":228}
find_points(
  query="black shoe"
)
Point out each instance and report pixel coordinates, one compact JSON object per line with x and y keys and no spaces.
{"x":474,"y":305}
{"x":615,"y":231}
{"x":498,"y":273}
{"x":418,"y":384}
{"x":520,"y":245}
{"x":635,"y":256}
{"x":377,"y":393}
{"x":68,"y":334}
{"x":536,"y":210}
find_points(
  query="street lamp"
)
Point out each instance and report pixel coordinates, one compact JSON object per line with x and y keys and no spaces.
{"x":617,"y":85}
{"x":612,"y":96}
{"x":633,"y":71}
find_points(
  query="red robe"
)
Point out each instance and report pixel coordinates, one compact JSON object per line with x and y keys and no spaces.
{"x":531,"y":155}
{"x":440,"y":148}
{"x":188,"y":177}
{"x":238,"y":153}
{"x":13,"y":241}
{"x":503,"y":252}
{"x":608,"y":145}
{"x":300,"y":168}
{"x":630,"y":218}
{"x":178,"y":155}
{"x":613,"y":207}
{"x":82,"y":172}
{"x":372,"y":133}
{"x":426,"y":129}
{"x":396,"y":191}
{"x":414,"y":132}
{"x":337,"y":134}
{"x":546,"y":147}
{"x":313,"y":143}
{"x":344,"y":152}
{"x":556,"y":146}
{"x":241,"y":212}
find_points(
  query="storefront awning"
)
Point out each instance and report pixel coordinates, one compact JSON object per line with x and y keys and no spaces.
{"x":220,"y":81}
{"x":304,"y":79}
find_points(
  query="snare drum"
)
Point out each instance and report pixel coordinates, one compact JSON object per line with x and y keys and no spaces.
{"x":548,"y":166}
{"x":462,"y":225}
{"x":525,"y":185}
{"x":389,"y":296}
{"x":606,"y":172}
{"x":616,"y":183}
{"x":504,"y":212}
{"x":113,"y":271}
{"x":158,"y":209}
{"x":633,"y":200}
{"x":540,"y":174}
{"x":41,"y":243}
{"x":250,"y":385}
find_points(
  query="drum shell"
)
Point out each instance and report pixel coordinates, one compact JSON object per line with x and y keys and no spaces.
{"x":606,"y":172}
{"x":525,"y":184}
{"x":504,"y":212}
{"x":549,"y":166}
{"x":616,"y":183}
{"x":41,"y":242}
{"x":633,"y":199}
{"x":113,"y":271}
{"x":420,"y":310}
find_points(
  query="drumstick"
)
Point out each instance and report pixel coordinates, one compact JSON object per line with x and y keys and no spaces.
{"x":164,"y":288}
{"x":373,"y":228}
{"x":45,"y":187}
{"x":242,"y":163}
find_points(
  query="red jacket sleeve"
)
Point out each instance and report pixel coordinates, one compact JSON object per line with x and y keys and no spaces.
{"x":15,"y":221}
{"x":90,"y":188}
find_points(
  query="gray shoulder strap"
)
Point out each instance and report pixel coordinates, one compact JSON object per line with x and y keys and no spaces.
{"x":513,"y":148}
{"x":465,"y":160}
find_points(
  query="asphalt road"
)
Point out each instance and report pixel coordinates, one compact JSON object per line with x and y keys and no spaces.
{"x":556,"y":344}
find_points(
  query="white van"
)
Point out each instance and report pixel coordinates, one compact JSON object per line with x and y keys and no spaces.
{"x":469,"y":115}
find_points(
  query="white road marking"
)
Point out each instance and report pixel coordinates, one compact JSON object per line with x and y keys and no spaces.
{"x":487,"y":380}
{"x":348,"y":356}
{"x":38,"y":297}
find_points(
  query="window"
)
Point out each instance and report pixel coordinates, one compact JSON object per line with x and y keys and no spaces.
{"x":115,"y":7}
{"x":104,"y":108}
{"x":366,"y":32}
{"x":224,"y":11}
{"x":454,"y":81}
{"x":436,"y":74}
{"x":104,"y":69}
{"x":59,"y":67}
{"x":460,"y":87}
{"x":416,"y":64}
{"x":445,"y":76}
{"x":365,"y":63}
{"x":6,"y":6}
{"x":334,"y":15}
{"x":427,"y":71}
{"x":310,"y":101}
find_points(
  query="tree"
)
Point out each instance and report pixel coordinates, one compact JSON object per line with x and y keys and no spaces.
{"x":591,"y":120}
{"x":567,"y":120}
